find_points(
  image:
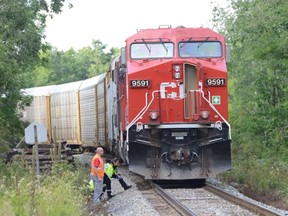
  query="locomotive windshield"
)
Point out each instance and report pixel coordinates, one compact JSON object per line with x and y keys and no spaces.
{"x":152,"y":50}
{"x":200,"y":49}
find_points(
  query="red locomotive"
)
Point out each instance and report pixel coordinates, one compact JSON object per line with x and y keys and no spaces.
{"x":173,"y":103}
{"x":162,"y":106}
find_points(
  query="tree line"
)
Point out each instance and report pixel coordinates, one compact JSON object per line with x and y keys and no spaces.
{"x":256,"y":31}
{"x":26,"y":60}
{"x":59,"y":67}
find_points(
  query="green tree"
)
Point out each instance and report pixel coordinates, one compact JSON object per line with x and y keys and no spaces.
{"x":258,"y":35}
{"x":21,"y":32}
{"x":99,"y":58}
{"x":257,"y":32}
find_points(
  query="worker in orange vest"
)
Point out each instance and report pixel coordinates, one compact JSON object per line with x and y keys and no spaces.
{"x":97,"y":174}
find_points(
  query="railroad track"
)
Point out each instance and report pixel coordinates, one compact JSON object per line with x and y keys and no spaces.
{"x":199,"y":201}
{"x":211,"y":200}
{"x":163,"y":203}
{"x":251,"y":206}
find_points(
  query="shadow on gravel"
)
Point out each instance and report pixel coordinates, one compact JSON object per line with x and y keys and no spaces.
{"x":142,"y":186}
{"x":170,"y":184}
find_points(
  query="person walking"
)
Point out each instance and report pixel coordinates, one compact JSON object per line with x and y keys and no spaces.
{"x":112,"y":172}
{"x":97,"y":174}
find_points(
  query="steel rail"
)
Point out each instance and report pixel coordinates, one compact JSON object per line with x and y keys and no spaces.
{"x":173,"y":202}
{"x":251,"y":206}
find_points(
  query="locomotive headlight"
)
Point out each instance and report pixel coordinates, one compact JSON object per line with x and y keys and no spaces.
{"x":177,"y":68}
{"x":177,"y":75}
{"x":153,"y":115}
{"x":204,"y":114}
{"x":177,"y":72}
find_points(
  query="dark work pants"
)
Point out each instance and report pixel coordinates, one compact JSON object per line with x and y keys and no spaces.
{"x":107,"y":183}
{"x":120,"y":179}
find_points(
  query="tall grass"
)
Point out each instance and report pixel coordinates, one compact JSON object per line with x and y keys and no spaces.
{"x":263,"y":176}
{"x":62,"y":191}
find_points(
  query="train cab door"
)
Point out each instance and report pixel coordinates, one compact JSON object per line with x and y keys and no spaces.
{"x":191,"y":85}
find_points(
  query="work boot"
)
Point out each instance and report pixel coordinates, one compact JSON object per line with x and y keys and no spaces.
{"x":127,"y":187}
{"x":110,"y":195}
{"x":124,"y":185}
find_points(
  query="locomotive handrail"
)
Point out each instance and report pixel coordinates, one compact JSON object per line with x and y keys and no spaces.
{"x":141,"y":113}
{"x":213,"y":107}
{"x":136,"y":117}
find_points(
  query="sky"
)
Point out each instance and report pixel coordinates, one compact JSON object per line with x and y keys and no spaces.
{"x":112,"y":21}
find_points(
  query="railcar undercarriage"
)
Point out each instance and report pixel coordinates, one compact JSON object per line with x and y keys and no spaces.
{"x":175,"y":152}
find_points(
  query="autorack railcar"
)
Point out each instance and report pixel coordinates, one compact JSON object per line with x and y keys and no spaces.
{"x":75,"y":113}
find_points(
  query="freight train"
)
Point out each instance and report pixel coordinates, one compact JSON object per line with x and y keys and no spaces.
{"x":162,"y":106}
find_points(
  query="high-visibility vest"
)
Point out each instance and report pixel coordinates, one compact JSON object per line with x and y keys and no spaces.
{"x":100,"y":167}
{"x":109,"y":170}
{"x":91,"y":185}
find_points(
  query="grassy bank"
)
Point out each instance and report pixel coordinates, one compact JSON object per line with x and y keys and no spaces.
{"x":265,"y":180}
{"x":62,"y":191}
